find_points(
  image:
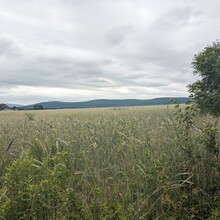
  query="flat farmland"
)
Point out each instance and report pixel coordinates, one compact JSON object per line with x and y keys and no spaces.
{"x":155,"y":162}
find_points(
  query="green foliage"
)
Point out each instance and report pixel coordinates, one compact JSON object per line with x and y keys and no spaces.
{"x":39,"y":189}
{"x":206,"y":91}
{"x":215,"y":215}
{"x":186,"y":117}
{"x":210,"y":132}
{"x":202,"y":156}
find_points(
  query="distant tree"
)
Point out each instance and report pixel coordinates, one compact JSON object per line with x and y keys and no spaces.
{"x":3,"y":106}
{"x":38,"y":107}
{"x":205,"y":92}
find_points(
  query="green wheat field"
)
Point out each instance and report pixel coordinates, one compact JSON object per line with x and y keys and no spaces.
{"x":155,"y":162}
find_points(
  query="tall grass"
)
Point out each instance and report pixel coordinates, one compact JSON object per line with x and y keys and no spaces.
{"x":116,"y":163}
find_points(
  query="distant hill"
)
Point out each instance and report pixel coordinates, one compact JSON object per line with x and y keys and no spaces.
{"x":102,"y":103}
{"x":12,"y":105}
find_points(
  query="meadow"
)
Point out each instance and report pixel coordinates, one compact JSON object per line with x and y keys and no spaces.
{"x":154,"y":162}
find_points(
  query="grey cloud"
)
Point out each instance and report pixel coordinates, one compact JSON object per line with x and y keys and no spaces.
{"x":136,"y":76}
{"x":52,"y":71}
{"x":8,"y":47}
{"x":178,"y":18}
{"x":118,"y":34}
{"x":115,"y":48}
{"x":99,"y":80}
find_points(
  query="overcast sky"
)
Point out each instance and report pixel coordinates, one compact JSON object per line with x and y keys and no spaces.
{"x":76,"y":50}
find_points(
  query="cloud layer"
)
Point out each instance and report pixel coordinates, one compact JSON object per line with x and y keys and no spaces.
{"x":79,"y":50}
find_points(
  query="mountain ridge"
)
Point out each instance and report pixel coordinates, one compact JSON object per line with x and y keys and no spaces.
{"x":102,"y":103}
{"x":12,"y":105}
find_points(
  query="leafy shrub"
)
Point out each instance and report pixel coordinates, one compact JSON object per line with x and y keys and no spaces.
{"x":39,"y":189}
